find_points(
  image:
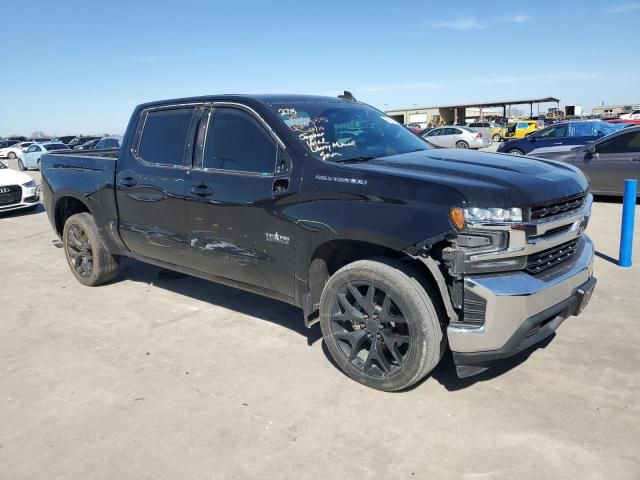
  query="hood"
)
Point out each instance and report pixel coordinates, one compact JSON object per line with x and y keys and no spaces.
{"x":13,"y":177}
{"x":484,"y":179}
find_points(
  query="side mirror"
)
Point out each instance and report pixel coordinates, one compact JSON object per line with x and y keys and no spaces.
{"x":591,"y":149}
{"x":532,"y":138}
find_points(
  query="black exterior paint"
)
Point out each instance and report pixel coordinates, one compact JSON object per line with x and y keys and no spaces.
{"x":149,"y":212}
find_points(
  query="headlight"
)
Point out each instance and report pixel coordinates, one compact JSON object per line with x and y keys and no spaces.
{"x":460,"y":216}
{"x":29,"y":184}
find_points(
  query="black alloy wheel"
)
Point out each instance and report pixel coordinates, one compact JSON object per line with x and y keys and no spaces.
{"x":79,"y":251}
{"x":370,"y":329}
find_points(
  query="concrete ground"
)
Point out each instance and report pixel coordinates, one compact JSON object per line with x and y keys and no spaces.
{"x":165,"y":378}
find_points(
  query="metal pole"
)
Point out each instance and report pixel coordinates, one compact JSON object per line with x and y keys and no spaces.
{"x":628,"y":218}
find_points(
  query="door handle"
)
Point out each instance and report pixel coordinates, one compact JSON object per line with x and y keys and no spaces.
{"x":202,"y":190}
{"x":636,"y":159}
{"x":128,"y":182}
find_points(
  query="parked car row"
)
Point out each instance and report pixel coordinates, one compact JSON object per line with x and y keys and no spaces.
{"x":564,"y":133}
{"x":28,"y":153}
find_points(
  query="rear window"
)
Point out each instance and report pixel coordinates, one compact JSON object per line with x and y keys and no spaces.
{"x":56,"y":146}
{"x":164,"y":137}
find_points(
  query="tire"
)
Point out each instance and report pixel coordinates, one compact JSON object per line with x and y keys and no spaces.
{"x":89,"y":260}
{"x":400,"y":311}
{"x":462,"y":144}
{"x":496,"y":138}
{"x":21,"y":166}
{"x":39,"y":165}
{"x":515,"y":151}
{"x":11,"y":155}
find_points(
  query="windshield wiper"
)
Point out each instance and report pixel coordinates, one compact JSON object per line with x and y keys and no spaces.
{"x":354,"y":160}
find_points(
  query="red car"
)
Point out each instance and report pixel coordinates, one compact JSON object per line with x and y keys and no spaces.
{"x":622,"y":120}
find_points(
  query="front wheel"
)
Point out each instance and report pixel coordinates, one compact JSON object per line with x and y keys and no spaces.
{"x":516,"y":152}
{"x":21,"y":165}
{"x":89,"y":260}
{"x":380,"y":324}
{"x":39,"y":165}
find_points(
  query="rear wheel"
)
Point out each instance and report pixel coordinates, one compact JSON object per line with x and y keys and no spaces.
{"x":380,"y":324}
{"x":89,"y":260}
{"x":12,"y":155}
{"x":21,"y":165}
{"x":515,"y":151}
{"x":462,"y":144}
{"x":497,"y":138}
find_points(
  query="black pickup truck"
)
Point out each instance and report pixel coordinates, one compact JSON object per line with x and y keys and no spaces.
{"x":397,"y":249}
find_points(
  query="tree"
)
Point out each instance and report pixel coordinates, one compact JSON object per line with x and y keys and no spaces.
{"x":38,"y":134}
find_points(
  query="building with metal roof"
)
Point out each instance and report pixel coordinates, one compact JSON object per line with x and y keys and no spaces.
{"x":458,"y":113}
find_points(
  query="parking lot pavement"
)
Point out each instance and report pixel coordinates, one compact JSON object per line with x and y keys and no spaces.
{"x":178,"y":378}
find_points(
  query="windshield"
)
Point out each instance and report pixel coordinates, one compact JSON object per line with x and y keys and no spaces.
{"x":338,"y":131}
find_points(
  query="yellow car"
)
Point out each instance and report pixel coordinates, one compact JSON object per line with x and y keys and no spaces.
{"x":513,"y":130}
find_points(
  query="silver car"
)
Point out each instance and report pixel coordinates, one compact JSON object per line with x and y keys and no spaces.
{"x":456,"y":137}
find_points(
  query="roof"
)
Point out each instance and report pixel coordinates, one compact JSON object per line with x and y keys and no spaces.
{"x":261,"y":98}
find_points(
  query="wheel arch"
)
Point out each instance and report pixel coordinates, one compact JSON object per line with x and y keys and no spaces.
{"x":67,"y":205}
{"x":334,"y":254}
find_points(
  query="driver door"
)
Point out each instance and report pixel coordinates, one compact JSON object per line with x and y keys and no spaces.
{"x":614,"y":160}
{"x":435,"y":137}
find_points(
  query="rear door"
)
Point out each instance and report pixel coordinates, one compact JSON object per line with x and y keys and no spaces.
{"x":615,"y":159}
{"x":242,"y":200}
{"x":150,"y":185}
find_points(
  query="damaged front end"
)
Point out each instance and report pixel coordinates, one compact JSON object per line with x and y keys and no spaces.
{"x":510,"y":283}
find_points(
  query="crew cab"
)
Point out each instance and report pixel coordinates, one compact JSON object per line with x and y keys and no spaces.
{"x":395,"y":248}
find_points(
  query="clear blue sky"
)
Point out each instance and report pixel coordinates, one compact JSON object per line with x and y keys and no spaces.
{"x":81,"y":66}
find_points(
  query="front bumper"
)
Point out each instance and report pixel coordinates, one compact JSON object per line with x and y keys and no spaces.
{"x":520,"y":310}
{"x":30,"y":197}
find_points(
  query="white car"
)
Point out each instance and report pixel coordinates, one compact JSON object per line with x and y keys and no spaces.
{"x":17,"y":190}
{"x":30,"y":158}
{"x":456,"y":137}
{"x":634,"y":115}
{"x":14,"y":150}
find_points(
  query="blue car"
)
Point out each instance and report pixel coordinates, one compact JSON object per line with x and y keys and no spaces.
{"x":564,"y":133}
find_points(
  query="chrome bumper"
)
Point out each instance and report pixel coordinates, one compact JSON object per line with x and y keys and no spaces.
{"x":512,"y":298}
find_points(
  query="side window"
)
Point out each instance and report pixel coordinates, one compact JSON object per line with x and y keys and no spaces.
{"x":434,"y":133}
{"x":164,"y":137}
{"x":522,"y":126}
{"x":627,"y":143}
{"x":582,"y":130}
{"x":32,"y":148}
{"x":236,"y":141}
{"x":37,"y":149}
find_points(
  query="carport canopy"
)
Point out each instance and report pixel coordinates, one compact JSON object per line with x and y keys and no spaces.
{"x":459,"y":109}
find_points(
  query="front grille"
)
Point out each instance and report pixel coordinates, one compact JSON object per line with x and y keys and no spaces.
{"x":10,"y":194}
{"x":558,"y":207}
{"x":541,"y":261}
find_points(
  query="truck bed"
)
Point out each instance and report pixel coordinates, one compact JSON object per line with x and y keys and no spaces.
{"x":88,"y":176}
